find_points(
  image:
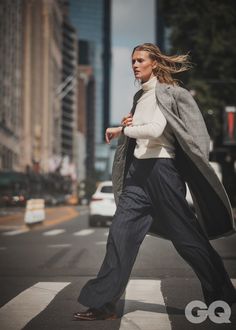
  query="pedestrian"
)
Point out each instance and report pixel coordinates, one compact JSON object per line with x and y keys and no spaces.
{"x":162,"y":143}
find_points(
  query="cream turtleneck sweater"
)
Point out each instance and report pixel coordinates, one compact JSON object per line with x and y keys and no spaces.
{"x":153,"y":134}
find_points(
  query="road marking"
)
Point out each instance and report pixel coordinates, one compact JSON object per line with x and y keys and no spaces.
{"x":144,"y":307}
{"x":59,"y":245}
{"x":53,"y":232}
{"x":84,"y":232}
{"x":20,"y":310}
{"x":106,"y":233}
{"x":16,"y":232}
{"x":101,"y":243}
{"x":2,"y":248}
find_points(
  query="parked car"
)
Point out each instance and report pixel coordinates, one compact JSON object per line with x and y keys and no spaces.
{"x":102,"y":206}
{"x":13,"y":199}
{"x":217,"y":169}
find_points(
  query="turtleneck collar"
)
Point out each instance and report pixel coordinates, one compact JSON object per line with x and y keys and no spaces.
{"x":150,"y":84}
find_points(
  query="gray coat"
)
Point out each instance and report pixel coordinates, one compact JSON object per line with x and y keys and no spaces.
{"x":213,"y":208}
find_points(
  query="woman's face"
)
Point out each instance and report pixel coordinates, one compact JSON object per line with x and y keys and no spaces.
{"x":143,"y":65}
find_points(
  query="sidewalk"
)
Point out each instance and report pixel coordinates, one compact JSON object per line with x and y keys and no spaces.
{"x":54,"y":215}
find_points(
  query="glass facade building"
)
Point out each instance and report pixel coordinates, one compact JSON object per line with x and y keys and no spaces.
{"x":92,"y":21}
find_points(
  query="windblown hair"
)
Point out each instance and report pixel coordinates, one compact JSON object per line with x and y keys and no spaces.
{"x":166,"y":64}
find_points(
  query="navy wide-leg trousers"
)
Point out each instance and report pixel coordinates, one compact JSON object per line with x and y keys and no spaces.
{"x":154,"y":187}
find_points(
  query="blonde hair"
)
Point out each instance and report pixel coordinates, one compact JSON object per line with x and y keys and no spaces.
{"x":166,"y":64}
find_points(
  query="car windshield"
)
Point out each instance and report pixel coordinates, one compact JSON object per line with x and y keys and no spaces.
{"x":107,"y":189}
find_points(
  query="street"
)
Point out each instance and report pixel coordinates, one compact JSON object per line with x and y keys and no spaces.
{"x":44,"y":268}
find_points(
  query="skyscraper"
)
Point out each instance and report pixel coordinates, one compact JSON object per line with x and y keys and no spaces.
{"x":42,"y":64}
{"x":86,"y":92}
{"x":92,"y":20}
{"x":162,"y":31}
{"x":10,"y":83}
{"x":68,"y":92}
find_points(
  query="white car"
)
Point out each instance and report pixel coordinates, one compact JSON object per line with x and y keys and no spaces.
{"x":217,"y":169}
{"x":102,"y":206}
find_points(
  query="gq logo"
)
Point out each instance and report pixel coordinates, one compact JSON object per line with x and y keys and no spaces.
{"x":203,"y":312}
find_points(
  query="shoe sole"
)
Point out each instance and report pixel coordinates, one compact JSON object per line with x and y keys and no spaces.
{"x":112,"y":317}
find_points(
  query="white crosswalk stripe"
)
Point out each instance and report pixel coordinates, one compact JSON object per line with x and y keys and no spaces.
{"x":84,"y":232}
{"x":53,"y":232}
{"x":154,"y":314}
{"x":144,"y":305}
{"x":29,"y":303}
{"x":59,"y":245}
{"x":16,"y":232}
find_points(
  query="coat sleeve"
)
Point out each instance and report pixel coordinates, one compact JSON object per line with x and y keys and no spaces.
{"x":192,"y":118}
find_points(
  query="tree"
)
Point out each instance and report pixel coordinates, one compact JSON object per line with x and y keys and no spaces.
{"x":206,"y":29}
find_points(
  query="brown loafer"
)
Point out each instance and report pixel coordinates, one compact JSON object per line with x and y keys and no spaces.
{"x":93,"y":314}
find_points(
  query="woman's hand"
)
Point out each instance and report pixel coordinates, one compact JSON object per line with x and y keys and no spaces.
{"x":112,"y":132}
{"x":127,"y":120}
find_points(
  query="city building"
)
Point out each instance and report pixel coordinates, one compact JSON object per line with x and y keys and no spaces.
{"x":162,"y":32}
{"x":68,"y":89}
{"x":92,"y":21}
{"x":42,"y":65}
{"x":86,"y":112}
{"x":10,"y":84}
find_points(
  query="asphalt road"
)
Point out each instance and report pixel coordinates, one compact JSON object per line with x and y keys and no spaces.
{"x":42,"y":271}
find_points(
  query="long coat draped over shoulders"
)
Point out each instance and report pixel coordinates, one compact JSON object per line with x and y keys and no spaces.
{"x":211,"y":202}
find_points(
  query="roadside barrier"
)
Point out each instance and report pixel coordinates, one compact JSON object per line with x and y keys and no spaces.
{"x":35,"y":211}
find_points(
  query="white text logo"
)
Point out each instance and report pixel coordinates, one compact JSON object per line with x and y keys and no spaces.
{"x":203,"y":312}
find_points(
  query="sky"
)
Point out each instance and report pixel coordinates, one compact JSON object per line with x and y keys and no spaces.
{"x":133,"y":22}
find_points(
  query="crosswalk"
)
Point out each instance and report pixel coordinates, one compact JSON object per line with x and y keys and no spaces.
{"x":16,"y":232}
{"x":20,"y":310}
{"x":142,"y":292}
{"x":59,"y":246}
{"x":57,"y":232}
{"x":52,"y":232}
{"x":84,"y":232}
{"x":144,"y":308}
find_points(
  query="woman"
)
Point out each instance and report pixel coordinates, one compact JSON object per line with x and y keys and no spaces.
{"x":162,"y":143}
